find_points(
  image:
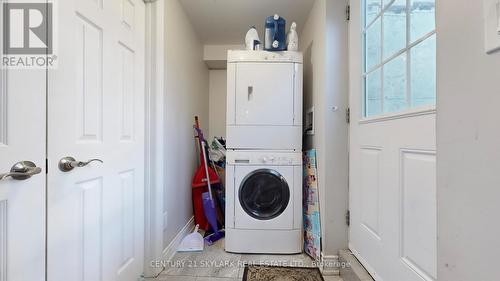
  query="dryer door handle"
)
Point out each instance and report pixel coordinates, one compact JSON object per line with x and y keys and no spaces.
{"x":250,"y":93}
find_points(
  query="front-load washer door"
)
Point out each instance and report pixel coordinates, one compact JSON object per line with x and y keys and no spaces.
{"x":264,"y":194}
{"x":264,"y":197}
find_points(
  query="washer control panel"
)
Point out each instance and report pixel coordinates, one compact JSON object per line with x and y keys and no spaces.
{"x":234,"y":157}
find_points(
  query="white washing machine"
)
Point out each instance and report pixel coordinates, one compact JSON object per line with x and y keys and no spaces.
{"x":264,"y":202}
{"x":264,"y":100}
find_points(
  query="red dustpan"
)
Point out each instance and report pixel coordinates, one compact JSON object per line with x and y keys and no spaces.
{"x":200,"y":179}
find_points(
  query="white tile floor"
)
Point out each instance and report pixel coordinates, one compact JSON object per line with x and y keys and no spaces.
{"x":214,"y":264}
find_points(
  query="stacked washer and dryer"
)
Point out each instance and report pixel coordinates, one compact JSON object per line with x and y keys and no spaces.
{"x":264,"y":152}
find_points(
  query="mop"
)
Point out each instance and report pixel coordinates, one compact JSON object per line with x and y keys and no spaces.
{"x":209,"y":206}
{"x":200,"y":186}
{"x":192,"y":242}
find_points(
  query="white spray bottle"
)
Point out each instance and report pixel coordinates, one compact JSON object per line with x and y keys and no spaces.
{"x":252,"y":38}
{"x":292,"y":38}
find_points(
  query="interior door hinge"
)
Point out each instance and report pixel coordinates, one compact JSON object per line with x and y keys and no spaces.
{"x":348,"y":12}
{"x":46,"y":165}
{"x":348,"y":218}
{"x":348,"y":115}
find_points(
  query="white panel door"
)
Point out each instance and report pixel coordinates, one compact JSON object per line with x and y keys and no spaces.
{"x":96,"y":111}
{"x":265,"y":94}
{"x":392,"y":156}
{"x":393,"y":197}
{"x":22,"y":202}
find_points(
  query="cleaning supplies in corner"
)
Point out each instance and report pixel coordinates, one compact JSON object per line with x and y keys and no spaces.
{"x":252,"y":40}
{"x":199,"y":183}
{"x":218,"y":151}
{"x":193,"y":242}
{"x":210,"y":209}
{"x":205,"y":175}
{"x":292,"y":39}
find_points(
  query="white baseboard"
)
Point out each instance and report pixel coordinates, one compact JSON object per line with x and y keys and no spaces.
{"x":171,"y":249}
{"x":330,"y":264}
{"x":354,"y":266}
{"x":152,"y":270}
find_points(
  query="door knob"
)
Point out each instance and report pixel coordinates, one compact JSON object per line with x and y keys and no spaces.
{"x":68,"y":163}
{"x":22,"y":170}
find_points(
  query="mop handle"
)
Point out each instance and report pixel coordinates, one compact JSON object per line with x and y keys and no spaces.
{"x":207,"y":174}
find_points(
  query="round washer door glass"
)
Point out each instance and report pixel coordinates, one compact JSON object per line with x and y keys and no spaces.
{"x":264,"y":194}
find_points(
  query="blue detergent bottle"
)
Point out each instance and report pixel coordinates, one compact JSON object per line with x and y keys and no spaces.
{"x":275,"y":34}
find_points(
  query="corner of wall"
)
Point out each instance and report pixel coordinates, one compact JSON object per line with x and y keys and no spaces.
{"x":186,"y":96}
{"x":324,"y":42}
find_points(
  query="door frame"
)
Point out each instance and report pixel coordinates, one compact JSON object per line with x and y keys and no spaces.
{"x":154,"y":135}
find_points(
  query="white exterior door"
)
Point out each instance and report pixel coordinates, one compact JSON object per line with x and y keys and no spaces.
{"x":22,"y":202}
{"x":96,"y":111}
{"x":393,"y":139}
{"x":265,"y":94}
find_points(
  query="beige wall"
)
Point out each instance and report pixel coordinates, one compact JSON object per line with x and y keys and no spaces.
{"x":336,"y":127}
{"x":468,"y":145}
{"x":323,"y":41}
{"x":186,"y":96}
{"x":217,"y":96}
{"x":312,"y":44}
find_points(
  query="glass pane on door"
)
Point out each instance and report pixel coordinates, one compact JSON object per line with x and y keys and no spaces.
{"x":395,"y":84}
{"x":373,"y":89}
{"x":394,"y":28}
{"x":373,"y":45}
{"x":399,"y":55}
{"x":373,"y":8}
{"x":422,"y":18}
{"x":423,"y":73}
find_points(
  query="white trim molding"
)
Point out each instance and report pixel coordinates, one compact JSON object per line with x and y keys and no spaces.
{"x":413,"y":112}
{"x":351,"y":266}
{"x":330,"y":265}
{"x":157,"y":265}
{"x":3,"y":93}
{"x":3,"y":106}
{"x":365,"y":265}
{"x":171,"y":249}
{"x":155,"y":134}
{"x":3,"y":240}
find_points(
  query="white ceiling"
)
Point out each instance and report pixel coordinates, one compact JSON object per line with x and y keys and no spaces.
{"x":227,"y":21}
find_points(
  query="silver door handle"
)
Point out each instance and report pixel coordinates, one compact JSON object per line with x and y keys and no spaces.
{"x":22,"y":170}
{"x":68,"y":163}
